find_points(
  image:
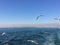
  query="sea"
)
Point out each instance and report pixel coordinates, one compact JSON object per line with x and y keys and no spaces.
{"x":29,"y":36}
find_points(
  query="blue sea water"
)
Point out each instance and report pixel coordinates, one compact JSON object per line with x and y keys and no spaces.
{"x":30,"y":36}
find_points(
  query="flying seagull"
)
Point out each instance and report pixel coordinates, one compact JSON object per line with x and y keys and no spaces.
{"x":4,"y":33}
{"x":57,"y":19}
{"x":38,"y":17}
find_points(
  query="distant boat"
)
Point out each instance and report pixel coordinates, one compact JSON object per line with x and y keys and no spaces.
{"x":4,"y":33}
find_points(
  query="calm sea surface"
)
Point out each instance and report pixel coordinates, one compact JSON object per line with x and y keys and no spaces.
{"x":29,"y":36}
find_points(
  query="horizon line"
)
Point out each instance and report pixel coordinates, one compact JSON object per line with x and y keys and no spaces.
{"x":50,"y":25}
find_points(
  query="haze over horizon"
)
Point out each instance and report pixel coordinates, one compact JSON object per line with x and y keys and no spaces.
{"x":49,"y":25}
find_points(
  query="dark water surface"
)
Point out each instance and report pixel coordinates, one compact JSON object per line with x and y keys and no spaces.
{"x":30,"y":36}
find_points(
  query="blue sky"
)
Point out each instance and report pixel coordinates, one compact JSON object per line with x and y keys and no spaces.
{"x":26,"y":11}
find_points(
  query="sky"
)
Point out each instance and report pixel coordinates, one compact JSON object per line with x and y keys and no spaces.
{"x":26,"y":11}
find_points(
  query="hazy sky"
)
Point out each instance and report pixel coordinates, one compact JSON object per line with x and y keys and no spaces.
{"x":25,"y":11}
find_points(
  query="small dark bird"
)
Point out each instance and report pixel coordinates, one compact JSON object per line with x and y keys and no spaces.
{"x":38,"y":17}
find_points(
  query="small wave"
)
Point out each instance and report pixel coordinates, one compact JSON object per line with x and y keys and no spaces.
{"x":33,"y":41}
{"x":50,"y":40}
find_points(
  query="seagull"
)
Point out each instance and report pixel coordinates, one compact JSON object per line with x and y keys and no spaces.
{"x":57,"y":19}
{"x":38,"y":17}
{"x":4,"y":33}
